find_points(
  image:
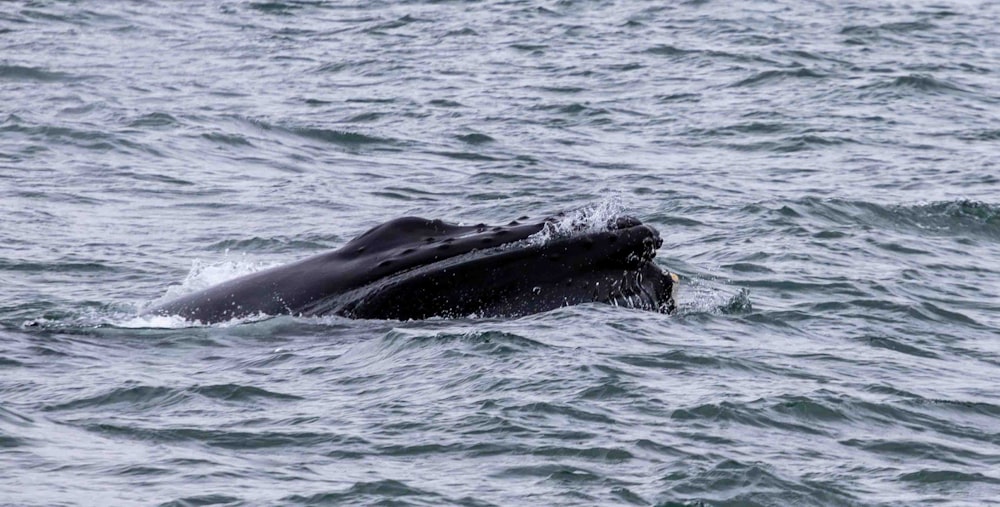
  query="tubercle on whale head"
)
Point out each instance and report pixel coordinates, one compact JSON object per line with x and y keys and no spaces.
{"x":407,"y":232}
{"x":624,"y":222}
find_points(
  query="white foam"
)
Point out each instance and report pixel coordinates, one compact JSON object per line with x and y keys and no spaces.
{"x":178,"y":322}
{"x":589,"y":219}
{"x":703,"y":297}
{"x":205,"y":274}
{"x":155,"y":321}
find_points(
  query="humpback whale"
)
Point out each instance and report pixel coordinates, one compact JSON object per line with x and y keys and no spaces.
{"x":415,"y":268}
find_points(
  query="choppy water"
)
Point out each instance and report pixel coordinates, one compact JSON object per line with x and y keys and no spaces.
{"x":825,"y":177}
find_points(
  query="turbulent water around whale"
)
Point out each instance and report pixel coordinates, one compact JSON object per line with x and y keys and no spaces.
{"x":824,"y":177}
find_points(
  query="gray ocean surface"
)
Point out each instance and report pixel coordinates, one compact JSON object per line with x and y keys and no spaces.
{"x":825,"y":175}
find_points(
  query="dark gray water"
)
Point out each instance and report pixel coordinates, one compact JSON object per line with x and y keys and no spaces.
{"x":825,"y":176}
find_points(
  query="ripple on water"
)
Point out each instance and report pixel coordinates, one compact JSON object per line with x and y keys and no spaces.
{"x":367,"y":492}
{"x":733,"y":482}
{"x":16,"y":73}
{"x":189,"y":501}
{"x":823,"y":177}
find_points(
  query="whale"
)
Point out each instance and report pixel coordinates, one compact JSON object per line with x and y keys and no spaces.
{"x":413,"y":268}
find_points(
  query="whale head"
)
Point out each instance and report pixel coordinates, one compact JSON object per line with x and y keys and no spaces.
{"x":414,"y":268}
{"x":439,"y":269}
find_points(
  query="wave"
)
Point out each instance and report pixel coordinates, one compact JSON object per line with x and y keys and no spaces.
{"x":926,"y":84}
{"x":348,"y":139}
{"x":957,"y":217}
{"x":143,"y":398}
{"x":276,"y":244}
{"x":340,"y":137}
{"x":770,"y":76}
{"x":370,"y":493}
{"x":21,"y":73}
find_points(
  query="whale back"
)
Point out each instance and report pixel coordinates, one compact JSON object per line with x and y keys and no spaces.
{"x":392,"y":247}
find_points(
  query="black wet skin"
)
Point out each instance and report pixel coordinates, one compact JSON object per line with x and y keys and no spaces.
{"x":414,"y":268}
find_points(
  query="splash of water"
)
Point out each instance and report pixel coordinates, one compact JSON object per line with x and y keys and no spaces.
{"x":203,"y":274}
{"x":207,"y":274}
{"x":152,"y":321}
{"x":705,"y":298}
{"x":588,"y":219}
{"x":148,"y":321}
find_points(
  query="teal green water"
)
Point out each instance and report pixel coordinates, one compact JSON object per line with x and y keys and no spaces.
{"x":825,"y":178}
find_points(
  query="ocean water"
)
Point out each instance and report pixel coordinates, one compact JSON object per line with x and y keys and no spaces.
{"x":825,"y":175}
